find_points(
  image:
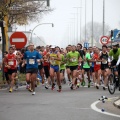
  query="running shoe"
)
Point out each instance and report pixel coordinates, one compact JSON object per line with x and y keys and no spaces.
{"x":27,"y":86}
{"x":46,"y":86}
{"x":29,"y":89}
{"x":16,"y":87}
{"x":35,"y":85}
{"x":73,"y":87}
{"x":83,"y":83}
{"x":78,"y":85}
{"x":53,"y":86}
{"x":104,"y":87}
{"x":10,"y":90}
{"x":97,"y":86}
{"x":38,"y":82}
{"x":88,"y":84}
{"x":70,"y":83}
{"x":59,"y":90}
{"x":33,"y":93}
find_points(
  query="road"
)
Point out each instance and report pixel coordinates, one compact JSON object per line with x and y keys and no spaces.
{"x":51,"y":105}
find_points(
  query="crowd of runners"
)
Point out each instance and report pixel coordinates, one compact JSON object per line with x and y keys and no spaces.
{"x":52,"y":62}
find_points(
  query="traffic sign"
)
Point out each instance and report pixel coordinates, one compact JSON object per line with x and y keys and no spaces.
{"x":18,"y":39}
{"x":86,"y":44}
{"x":104,"y":40}
{"x":116,"y":35}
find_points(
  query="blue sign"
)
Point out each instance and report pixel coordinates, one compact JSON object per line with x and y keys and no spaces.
{"x":86,"y":44}
{"x":116,"y":35}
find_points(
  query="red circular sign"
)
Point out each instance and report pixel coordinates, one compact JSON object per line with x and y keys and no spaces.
{"x":104,"y":40}
{"x":18,"y":39}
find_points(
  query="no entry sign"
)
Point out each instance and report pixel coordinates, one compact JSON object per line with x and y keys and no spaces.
{"x":18,"y":39}
{"x":104,"y":40}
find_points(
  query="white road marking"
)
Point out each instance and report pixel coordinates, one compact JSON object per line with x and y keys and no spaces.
{"x":18,"y":40}
{"x":93,"y":106}
{"x":78,"y":108}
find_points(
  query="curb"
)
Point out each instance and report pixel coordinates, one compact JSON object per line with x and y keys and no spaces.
{"x":116,"y":103}
{"x":3,"y":86}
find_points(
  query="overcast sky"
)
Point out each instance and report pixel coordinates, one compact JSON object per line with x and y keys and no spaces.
{"x":63,"y":15}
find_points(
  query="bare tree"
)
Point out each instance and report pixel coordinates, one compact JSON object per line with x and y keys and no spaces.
{"x":24,"y":11}
{"x":97,"y":31}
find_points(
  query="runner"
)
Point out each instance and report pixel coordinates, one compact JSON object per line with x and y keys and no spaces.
{"x":97,"y":67}
{"x":4,"y":63}
{"x":92,"y":73}
{"x":62,"y":67}
{"x":114,"y":53}
{"x":31,"y":57}
{"x":73,"y":58}
{"x":86,"y":66}
{"x":105,"y":65}
{"x":40,"y":64}
{"x":46,"y":64}
{"x":55,"y":59}
{"x":68,"y":49}
{"x":12,"y":67}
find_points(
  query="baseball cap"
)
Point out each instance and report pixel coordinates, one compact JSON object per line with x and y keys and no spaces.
{"x":115,"y":44}
{"x":53,"y":46}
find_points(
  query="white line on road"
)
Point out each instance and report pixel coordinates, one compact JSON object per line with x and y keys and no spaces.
{"x":78,"y":108}
{"x":18,"y":40}
{"x":93,"y":106}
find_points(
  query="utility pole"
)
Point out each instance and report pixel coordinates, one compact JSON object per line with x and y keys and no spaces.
{"x":80,"y":21}
{"x":103,"y":17}
{"x":92,"y":26}
{"x":77,"y":24}
{"x":85,"y":20}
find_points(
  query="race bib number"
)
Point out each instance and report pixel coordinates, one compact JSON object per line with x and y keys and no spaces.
{"x":10,"y":63}
{"x":98,"y":63}
{"x":39,"y":63}
{"x":85,"y":63}
{"x":73,"y":59}
{"x":104,"y":62}
{"x":31,"y":61}
{"x":52,"y":62}
{"x":90,"y":64}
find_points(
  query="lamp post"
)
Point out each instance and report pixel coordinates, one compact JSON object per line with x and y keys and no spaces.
{"x":39,"y":25}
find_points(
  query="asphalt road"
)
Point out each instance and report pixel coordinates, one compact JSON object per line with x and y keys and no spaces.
{"x":51,"y":105}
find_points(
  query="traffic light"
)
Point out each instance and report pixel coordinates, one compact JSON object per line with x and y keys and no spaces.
{"x":0,"y":39}
{"x":112,"y":35}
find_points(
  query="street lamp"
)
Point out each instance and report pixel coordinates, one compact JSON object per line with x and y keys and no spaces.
{"x":39,"y":25}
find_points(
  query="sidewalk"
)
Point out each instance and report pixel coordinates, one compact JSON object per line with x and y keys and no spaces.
{"x":110,"y":105}
{"x":117,"y":103}
{"x":4,"y":86}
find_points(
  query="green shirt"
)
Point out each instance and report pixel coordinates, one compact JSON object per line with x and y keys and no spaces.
{"x":62,"y":66}
{"x":115,"y":55}
{"x":67,"y":61}
{"x":73,"y":58}
{"x":86,"y":63}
